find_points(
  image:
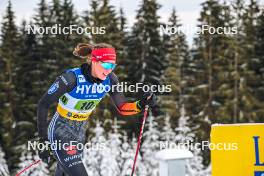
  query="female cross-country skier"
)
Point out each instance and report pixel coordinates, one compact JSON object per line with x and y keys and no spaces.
{"x":76,"y":100}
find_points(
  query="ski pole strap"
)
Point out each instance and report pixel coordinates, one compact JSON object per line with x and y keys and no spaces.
{"x":139,"y":138}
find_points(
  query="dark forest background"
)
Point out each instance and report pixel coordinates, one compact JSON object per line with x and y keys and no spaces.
{"x":220,"y":79}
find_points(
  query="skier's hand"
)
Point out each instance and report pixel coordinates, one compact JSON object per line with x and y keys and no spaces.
{"x":45,"y":154}
{"x":148,"y":98}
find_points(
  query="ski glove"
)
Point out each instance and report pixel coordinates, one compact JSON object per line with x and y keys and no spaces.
{"x":45,"y":154}
{"x":148,"y":98}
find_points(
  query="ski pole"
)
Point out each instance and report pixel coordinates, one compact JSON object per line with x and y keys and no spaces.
{"x":34,"y":163}
{"x":139,"y":138}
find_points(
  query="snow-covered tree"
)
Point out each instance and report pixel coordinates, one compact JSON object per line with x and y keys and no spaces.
{"x":3,"y":166}
{"x":195,"y":165}
{"x":167,"y":133}
{"x":28,"y":158}
{"x":141,"y":167}
{"x":111,"y":158}
{"x":127,"y":155}
{"x":150,"y":146}
{"x":93,"y":156}
{"x":183,"y":130}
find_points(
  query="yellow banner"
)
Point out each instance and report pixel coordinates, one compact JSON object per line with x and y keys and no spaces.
{"x":241,"y":152}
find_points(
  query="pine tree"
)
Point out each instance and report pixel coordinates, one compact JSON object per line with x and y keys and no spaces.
{"x":64,"y":15}
{"x":226,"y":76}
{"x":93,"y":16}
{"x":212,"y":87}
{"x":207,"y":53}
{"x":9,"y":98}
{"x":259,"y":62}
{"x":144,"y":46}
{"x":56,"y":49}
{"x":240,"y":103}
{"x":144,"y":59}
{"x":100,"y":17}
{"x":209,"y":86}
{"x":122,"y":20}
{"x":251,"y":102}
{"x":26,"y":76}
{"x":55,"y":58}
{"x":43,"y":19}
{"x":27,"y":89}
{"x":176,"y":54}
{"x":100,"y":14}
{"x":67,"y":42}
{"x":122,"y":52}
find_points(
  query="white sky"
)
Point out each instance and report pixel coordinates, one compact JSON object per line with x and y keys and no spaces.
{"x":187,"y":10}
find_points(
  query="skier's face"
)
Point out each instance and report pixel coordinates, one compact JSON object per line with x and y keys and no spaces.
{"x":99,"y":71}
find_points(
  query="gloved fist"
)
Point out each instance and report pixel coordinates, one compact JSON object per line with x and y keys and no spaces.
{"x":148,"y":98}
{"x":45,"y":154}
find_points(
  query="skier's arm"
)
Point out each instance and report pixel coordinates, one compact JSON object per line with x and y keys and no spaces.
{"x":123,"y":106}
{"x":64,"y":83}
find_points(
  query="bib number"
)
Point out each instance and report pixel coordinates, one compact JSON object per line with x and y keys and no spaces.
{"x":84,"y":105}
{"x":87,"y":105}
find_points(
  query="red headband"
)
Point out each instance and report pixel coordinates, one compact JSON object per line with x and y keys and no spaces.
{"x":103,"y":54}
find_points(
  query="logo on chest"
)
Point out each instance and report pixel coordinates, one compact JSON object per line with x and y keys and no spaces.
{"x":81,"y":78}
{"x":92,"y":89}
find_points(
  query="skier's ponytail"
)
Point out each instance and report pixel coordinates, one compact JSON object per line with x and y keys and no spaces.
{"x":84,"y":50}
